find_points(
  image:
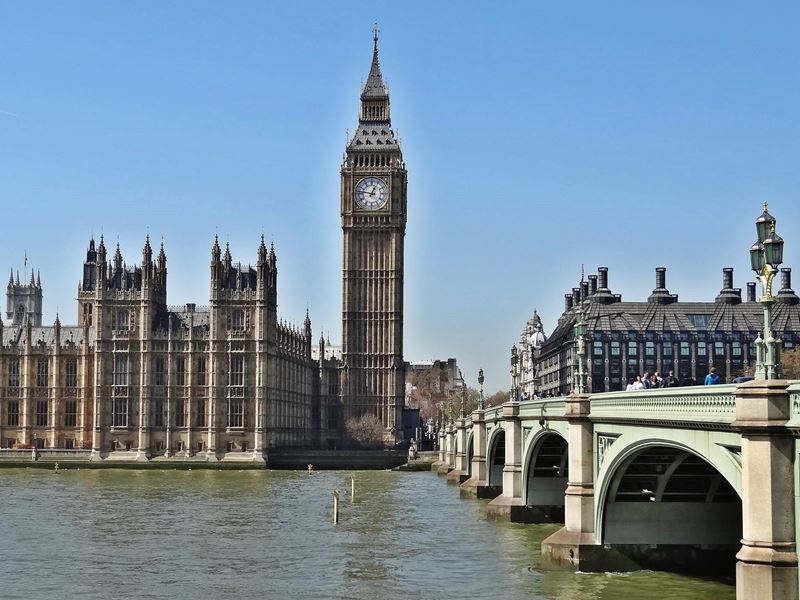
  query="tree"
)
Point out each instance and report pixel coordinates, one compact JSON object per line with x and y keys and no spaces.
{"x":497,"y":399}
{"x":367,"y":431}
{"x":790,"y":360}
{"x":428,"y":392}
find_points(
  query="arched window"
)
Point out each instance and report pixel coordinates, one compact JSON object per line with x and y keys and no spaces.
{"x":20,"y":313}
{"x":237,"y":320}
{"x":123,"y":320}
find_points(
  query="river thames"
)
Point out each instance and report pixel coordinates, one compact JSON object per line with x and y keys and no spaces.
{"x":269,"y":534}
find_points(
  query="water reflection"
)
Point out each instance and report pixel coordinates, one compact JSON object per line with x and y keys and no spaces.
{"x":263,"y":534}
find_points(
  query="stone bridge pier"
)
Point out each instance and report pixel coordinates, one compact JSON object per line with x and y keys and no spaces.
{"x":459,"y":473}
{"x":767,"y":561}
{"x":576,"y":542}
{"x":477,"y":485}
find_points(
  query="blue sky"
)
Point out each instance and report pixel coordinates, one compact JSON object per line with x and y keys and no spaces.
{"x":537,"y":136}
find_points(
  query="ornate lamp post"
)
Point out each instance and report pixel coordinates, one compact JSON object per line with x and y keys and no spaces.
{"x":766,"y":255}
{"x":579,"y":362}
{"x":514,"y":372}
{"x":480,"y":385}
{"x":463,"y":400}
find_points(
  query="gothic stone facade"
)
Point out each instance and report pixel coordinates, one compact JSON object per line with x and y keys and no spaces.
{"x":626,"y":339}
{"x":139,"y":379}
{"x":373,"y":211}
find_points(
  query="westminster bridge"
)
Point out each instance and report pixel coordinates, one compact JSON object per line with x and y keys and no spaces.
{"x":697,"y":479}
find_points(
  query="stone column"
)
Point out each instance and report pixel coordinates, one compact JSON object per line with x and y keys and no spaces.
{"x":145,"y":358}
{"x":575,"y":543}
{"x":449,"y":460}
{"x":100,"y":398}
{"x":440,"y":440}
{"x":477,"y":486}
{"x":767,"y":566}
{"x":451,"y":446}
{"x":508,"y":506}
{"x":459,"y":474}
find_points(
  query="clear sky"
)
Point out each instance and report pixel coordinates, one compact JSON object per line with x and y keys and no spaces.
{"x":537,"y":136}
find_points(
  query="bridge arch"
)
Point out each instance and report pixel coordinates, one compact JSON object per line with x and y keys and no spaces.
{"x":545,"y":473}
{"x":667,"y":505}
{"x":496,"y":457}
{"x":470,"y":453}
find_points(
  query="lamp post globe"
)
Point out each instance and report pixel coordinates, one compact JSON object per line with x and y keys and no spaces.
{"x":766,"y":255}
{"x":480,"y":386}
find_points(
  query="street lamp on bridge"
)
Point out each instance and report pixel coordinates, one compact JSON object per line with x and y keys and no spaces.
{"x":480,"y":385}
{"x":514,"y":373}
{"x":766,"y":255}
{"x":579,"y":363}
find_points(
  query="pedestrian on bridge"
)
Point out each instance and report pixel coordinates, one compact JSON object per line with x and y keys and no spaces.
{"x":712,"y":378}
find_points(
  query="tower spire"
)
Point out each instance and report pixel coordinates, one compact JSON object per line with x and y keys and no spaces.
{"x":374,"y":87}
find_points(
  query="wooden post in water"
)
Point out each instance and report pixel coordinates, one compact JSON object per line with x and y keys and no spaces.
{"x":335,"y":507}
{"x":352,"y":488}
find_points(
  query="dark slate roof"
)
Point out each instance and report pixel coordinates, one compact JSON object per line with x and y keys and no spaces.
{"x":45,"y":335}
{"x":375,"y":136}
{"x":654,"y":317}
{"x":179,"y":320}
{"x":374,"y":87}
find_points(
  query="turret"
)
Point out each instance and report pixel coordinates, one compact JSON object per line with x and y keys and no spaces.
{"x":117,"y":260}
{"x":307,"y":327}
{"x":216,"y":264}
{"x":226,"y":260}
{"x":147,"y":259}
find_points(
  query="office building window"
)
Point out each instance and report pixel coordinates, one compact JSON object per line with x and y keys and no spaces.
{"x":71,"y":413}
{"x":180,"y":371}
{"x":120,"y":415}
{"x":72,"y":372}
{"x":236,"y":412}
{"x":42,"y":370}
{"x":200,"y":371}
{"x":121,"y":369}
{"x":12,"y":416}
{"x":236,"y":375}
{"x":41,"y":413}
{"x":13,"y":373}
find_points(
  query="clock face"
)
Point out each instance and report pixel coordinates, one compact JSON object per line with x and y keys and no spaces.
{"x":371,"y":193}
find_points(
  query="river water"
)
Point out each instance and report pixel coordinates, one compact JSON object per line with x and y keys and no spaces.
{"x":115,"y":534}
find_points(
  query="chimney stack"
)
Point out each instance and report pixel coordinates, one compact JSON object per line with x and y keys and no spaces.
{"x":751,"y":291}
{"x":661,"y":278}
{"x":602,"y":278}
{"x":786,"y":279}
{"x":727,"y":278}
{"x":568,"y":302}
{"x":576,"y":296}
{"x":584,"y":290}
{"x":787,"y":293}
{"x":728,"y":295}
{"x":592,"y":285}
{"x":661,"y":294}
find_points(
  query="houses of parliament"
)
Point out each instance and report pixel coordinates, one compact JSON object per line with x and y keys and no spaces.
{"x":137,"y":379}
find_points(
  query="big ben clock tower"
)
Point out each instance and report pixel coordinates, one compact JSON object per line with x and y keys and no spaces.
{"x":373,"y":207}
